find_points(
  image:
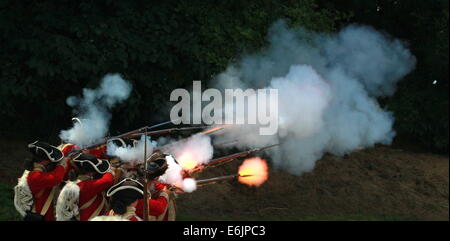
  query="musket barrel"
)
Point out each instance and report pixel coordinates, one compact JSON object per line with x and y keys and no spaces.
{"x":168,"y":131}
{"x":133,"y":133}
{"x":223,"y":159}
{"x":216,"y":179}
{"x":211,"y":180}
{"x":215,"y":129}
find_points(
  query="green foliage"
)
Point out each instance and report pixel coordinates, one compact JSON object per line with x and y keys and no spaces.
{"x":53,"y":49}
{"x":7,"y":210}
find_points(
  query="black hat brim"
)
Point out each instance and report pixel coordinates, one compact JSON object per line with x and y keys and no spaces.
{"x":99,"y":168}
{"x":52,"y":153}
{"x":103,"y":167}
{"x":121,"y":189}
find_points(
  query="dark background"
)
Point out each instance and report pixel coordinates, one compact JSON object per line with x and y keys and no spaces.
{"x":53,"y":49}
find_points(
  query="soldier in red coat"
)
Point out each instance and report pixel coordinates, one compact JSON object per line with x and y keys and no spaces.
{"x":35,"y":194}
{"x":160,"y":203}
{"x":124,"y":197}
{"x":83,"y":199}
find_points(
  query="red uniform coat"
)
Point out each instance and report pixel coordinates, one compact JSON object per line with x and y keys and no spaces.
{"x":41,"y":184}
{"x":90,"y":189}
{"x":157,"y":206}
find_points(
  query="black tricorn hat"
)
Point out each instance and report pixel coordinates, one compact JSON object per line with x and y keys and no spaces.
{"x":44,"y":151}
{"x":90,"y":163}
{"x":127,"y":188}
{"x":157,"y":164}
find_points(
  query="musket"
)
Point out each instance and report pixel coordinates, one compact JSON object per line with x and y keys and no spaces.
{"x":208,"y":131}
{"x":215,"y":129}
{"x":217,"y":179}
{"x":225,"y":159}
{"x":131,"y":134}
{"x":166,"y":131}
{"x":213,"y":180}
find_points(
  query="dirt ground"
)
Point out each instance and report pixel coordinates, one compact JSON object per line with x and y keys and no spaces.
{"x":380,"y":183}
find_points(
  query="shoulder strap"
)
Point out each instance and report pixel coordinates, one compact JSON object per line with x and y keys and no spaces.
{"x":88,"y":203}
{"x":99,"y":208}
{"x":161,"y":217}
{"x":171,"y":209}
{"x":48,"y":202}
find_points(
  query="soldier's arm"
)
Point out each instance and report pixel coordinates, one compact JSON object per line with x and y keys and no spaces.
{"x":99,"y":185}
{"x":41,"y":180}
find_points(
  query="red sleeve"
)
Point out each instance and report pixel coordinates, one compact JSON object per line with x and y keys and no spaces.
{"x":99,"y":152}
{"x":41,"y":180}
{"x":99,"y":185}
{"x":157,"y":206}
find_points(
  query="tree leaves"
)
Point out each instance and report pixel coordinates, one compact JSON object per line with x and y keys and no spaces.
{"x":54,"y":49}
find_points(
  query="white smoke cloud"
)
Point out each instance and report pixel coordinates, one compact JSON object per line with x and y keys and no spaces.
{"x":327,"y":85}
{"x":173,"y":176}
{"x":189,"y":185}
{"x":196,"y":149}
{"x":188,"y":153}
{"x":173,"y":172}
{"x":133,"y":153}
{"x":92,"y":108}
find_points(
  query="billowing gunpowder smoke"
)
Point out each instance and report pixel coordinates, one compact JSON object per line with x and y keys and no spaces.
{"x":133,"y":153}
{"x":187,"y":154}
{"x":93,"y":110}
{"x":327,"y":88}
{"x":190,"y":152}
